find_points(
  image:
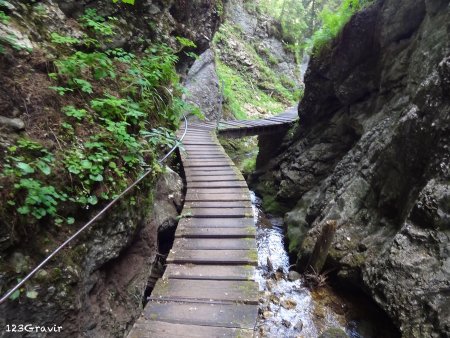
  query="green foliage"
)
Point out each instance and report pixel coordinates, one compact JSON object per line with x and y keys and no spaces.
{"x":256,"y":88}
{"x":61,"y":90}
{"x":28,"y":162}
{"x":96,"y":23}
{"x":64,"y":40}
{"x":184,"y":42}
{"x":249,"y":165}
{"x":333,"y":22}
{"x":4,"y":18}
{"x":78,"y":114}
{"x":238,"y":93}
{"x":107,"y":134}
{"x":98,"y":64}
{"x":129,"y":2}
{"x":220,"y":8}
{"x":40,"y":200}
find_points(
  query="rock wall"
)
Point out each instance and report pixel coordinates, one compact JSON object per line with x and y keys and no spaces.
{"x":372,"y":152}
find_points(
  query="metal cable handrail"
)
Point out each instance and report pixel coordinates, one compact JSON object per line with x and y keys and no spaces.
{"x":75,"y":235}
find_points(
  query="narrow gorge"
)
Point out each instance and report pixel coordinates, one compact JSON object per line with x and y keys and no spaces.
{"x":94,"y":95}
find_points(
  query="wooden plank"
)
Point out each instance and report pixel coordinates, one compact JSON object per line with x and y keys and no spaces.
{"x":243,"y":222}
{"x":243,"y":292}
{"x":213,"y":257}
{"x":214,"y":243}
{"x":192,"y":196}
{"x":191,"y":232}
{"x":158,"y":329}
{"x":207,"y":164}
{"x":216,"y":184}
{"x":212,"y":171}
{"x":210,"y":272}
{"x":218,"y":212}
{"x":190,"y":156}
{"x":218,"y":204}
{"x":217,"y":315}
{"x":218,"y":191}
{"x":216,"y":178}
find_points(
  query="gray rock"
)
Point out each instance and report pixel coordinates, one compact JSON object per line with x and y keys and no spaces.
{"x":202,"y":85}
{"x":168,"y":199}
{"x":294,"y":275}
{"x":15,"y":124}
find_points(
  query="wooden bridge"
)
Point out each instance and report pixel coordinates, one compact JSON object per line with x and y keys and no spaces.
{"x":208,"y":288}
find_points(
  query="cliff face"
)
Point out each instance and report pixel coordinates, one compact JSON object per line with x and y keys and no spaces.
{"x":372,"y":152}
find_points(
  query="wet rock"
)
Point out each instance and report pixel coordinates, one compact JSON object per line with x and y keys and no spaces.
{"x":294,"y":275}
{"x":299,"y":325}
{"x":288,"y":304}
{"x":274,"y":299}
{"x":202,"y":85}
{"x":270,"y":284}
{"x":168,"y":201}
{"x":15,"y":124}
{"x":267,"y":314}
{"x":286,"y":323}
{"x":334,"y":333}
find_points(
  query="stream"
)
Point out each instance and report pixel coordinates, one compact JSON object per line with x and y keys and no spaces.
{"x":289,"y":309}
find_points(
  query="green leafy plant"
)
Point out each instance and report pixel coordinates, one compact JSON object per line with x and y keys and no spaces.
{"x":40,"y":200}
{"x":97,"y":24}
{"x":78,"y":114}
{"x":184,"y":42}
{"x":129,"y":2}
{"x":4,"y":18}
{"x":64,"y":40}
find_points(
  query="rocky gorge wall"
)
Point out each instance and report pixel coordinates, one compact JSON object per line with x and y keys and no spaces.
{"x":371,"y":151}
{"x":95,"y":288}
{"x":248,"y":72}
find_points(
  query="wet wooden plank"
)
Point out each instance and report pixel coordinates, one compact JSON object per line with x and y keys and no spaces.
{"x":214,"y":243}
{"x":212,"y":171}
{"x":208,"y":164}
{"x":224,"y":196}
{"x":216,"y":184}
{"x":243,"y":292}
{"x":243,"y":222}
{"x":218,"y":191}
{"x":205,"y":156}
{"x":211,"y":272}
{"x":192,"y":232}
{"x":214,"y":175}
{"x":159,"y":329}
{"x":213,"y":257}
{"x":216,"y":315}
{"x":219,"y":204}
{"x":218,"y":212}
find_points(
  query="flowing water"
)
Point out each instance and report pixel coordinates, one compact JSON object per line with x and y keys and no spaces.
{"x":289,"y":309}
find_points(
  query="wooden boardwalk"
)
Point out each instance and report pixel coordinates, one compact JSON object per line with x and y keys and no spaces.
{"x":208,"y":288}
{"x":240,"y":128}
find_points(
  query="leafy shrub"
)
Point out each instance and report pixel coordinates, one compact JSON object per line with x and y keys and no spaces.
{"x":333,"y":22}
{"x":123,"y":111}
